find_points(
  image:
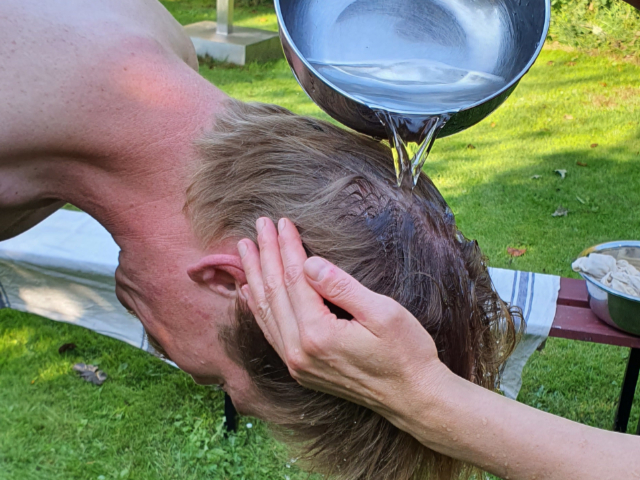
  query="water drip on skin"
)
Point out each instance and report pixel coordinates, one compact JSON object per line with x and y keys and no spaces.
{"x":407,"y":166}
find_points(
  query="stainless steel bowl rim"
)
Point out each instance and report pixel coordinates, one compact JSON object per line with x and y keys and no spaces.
{"x":547,"y":15}
{"x":609,"y":246}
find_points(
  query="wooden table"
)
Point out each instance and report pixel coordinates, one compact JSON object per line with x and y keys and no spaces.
{"x":575,"y":321}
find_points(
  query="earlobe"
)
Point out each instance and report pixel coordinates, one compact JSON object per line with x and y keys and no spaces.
{"x":222,"y":274}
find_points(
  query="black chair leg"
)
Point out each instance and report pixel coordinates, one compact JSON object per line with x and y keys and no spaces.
{"x":628,"y":392}
{"x":230,"y":415}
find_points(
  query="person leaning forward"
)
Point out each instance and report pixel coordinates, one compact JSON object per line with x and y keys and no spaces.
{"x":113,"y":118}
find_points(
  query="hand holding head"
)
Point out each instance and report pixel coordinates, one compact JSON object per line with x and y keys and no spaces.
{"x":381,"y":350}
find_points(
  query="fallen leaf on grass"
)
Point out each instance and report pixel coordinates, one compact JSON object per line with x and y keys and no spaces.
{"x":536,"y":177}
{"x":581,"y":164}
{"x":90,"y":373}
{"x":471,"y":147}
{"x":66,"y":347}
{"x":603,"y":84}
{"x":594,"y":145}
{"x":560,"y":212}
{"x":493,"y":124}
{"x":516,"y":252}
{"x":562,"y":173}
{"x":568,"y":117}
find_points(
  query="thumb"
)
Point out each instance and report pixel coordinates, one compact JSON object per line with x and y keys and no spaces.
{"x":344,"y":291}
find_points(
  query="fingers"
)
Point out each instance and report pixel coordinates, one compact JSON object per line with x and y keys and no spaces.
{"x":254,"y":293}
{"x":341,"y":289}
{"x":275,"y":299}
{"x":305,"y":301}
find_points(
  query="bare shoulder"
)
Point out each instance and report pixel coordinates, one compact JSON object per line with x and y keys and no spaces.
{"x":68,"y":67}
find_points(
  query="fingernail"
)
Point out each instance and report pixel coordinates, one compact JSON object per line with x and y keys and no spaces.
{"x":242,"y":249}
{"x":281,"y":225}
{"x":260,"y":224}
{"x":316,"y":268}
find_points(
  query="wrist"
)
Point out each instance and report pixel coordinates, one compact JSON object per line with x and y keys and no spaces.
{"x":426,"y":398}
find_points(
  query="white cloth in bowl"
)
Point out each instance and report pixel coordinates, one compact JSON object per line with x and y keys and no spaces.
{"x":618,"y":275}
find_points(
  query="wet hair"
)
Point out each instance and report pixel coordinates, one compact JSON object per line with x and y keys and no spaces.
{"x":339,"y":189}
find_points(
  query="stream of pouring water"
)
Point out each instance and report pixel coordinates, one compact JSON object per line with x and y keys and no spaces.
{"x":408,"y":167}
{"x":412,"y":87}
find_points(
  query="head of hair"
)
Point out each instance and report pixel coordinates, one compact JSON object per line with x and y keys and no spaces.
{"x":339,"y":189}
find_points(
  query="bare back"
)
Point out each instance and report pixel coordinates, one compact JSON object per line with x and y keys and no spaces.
{"x":78,"y":79}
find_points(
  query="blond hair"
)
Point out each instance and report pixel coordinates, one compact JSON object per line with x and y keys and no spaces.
{"x":339,"y":189}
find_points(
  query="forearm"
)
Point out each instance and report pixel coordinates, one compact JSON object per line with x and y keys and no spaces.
{"x":514,"y":441}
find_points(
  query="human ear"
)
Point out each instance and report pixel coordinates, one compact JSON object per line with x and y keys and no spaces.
{"x":222,"y":274}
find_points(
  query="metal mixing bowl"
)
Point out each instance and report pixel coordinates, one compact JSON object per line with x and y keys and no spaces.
{"x":501,"y":38}
{"x":615,"y":308}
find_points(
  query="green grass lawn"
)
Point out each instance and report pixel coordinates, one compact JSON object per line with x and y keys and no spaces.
{"x":149,"y":421}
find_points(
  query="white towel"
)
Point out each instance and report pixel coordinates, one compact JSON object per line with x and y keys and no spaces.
{"x":537,"y":295}
{"x":63,"y":269}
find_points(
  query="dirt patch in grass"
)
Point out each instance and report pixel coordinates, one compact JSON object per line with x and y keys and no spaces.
{"x":626,"y":95}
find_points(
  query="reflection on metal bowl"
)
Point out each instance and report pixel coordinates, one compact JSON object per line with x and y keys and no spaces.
{"x":615,"y":308}
{"x":414,"y":58}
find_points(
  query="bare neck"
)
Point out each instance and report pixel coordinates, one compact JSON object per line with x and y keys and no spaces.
{"x":138,"y":195}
